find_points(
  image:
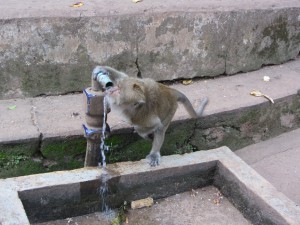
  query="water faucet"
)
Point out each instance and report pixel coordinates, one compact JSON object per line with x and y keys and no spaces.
{"x":101,"y":75}
{"x":95,"y":114}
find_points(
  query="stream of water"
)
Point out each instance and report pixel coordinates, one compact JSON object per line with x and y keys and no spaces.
{"x":103,"y":189}
{"x":104,"y":148}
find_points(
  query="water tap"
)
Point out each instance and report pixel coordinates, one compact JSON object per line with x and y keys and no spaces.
{"x":101,"y":75}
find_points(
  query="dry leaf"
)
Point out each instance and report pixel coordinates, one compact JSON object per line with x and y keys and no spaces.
{"x":136,"y":1}
{"x":257,"y":93}
{"x":217,"y":201}
{"x":77,"y":4}
{"x":187,"y":82}
{"x":194,"y":193}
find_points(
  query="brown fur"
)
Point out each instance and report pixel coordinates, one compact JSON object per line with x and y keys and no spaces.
{"x":148,"y":106}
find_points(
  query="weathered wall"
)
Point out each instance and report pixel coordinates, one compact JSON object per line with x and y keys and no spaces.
{"x":56,"y":55}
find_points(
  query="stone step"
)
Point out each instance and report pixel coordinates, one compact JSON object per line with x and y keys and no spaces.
{"x":52,"y":126}
{"x":277,"y":160}
{"x":50,"y":48}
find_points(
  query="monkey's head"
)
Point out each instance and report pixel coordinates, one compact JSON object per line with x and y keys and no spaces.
{"x":127,"y":93}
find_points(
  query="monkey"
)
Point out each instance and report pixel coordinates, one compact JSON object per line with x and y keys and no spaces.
{"x":149,"y":106}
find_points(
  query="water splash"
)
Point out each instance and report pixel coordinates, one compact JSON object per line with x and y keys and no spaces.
{"x":103,"y":191}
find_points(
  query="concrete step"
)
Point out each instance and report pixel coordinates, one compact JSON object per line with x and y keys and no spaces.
{"x":51,"y":47}
{"x":52,"y":125}
{"x":277,"y":160}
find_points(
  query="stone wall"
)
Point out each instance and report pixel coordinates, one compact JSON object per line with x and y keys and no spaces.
{"x":56,"y":55}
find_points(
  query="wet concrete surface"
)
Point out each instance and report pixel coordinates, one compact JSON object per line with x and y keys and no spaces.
{"x":200,"y":206}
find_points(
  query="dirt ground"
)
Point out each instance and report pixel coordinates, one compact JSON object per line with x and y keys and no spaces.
{"x":200,"y":206}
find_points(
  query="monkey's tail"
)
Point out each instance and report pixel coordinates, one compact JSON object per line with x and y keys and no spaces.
{"x":200,"y":110}
{"x":189,"y":107}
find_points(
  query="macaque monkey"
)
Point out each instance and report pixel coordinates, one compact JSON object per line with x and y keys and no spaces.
{"x":147,"y":105}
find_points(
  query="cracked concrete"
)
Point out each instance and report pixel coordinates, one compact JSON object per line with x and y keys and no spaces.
{"x":139,"y":74}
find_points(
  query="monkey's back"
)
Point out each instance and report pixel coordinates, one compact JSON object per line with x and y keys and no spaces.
{"x":161,"y":100}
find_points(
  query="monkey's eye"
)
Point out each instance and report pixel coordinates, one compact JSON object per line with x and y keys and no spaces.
{"x":139,"y":103}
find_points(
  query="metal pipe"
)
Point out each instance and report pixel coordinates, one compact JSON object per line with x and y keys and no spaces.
{"x":94,"y":115}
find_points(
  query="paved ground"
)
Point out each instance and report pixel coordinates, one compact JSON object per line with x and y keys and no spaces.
{"x":57,"y":8}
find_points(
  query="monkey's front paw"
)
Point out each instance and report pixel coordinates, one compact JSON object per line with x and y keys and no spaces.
{"x":154,"y":159}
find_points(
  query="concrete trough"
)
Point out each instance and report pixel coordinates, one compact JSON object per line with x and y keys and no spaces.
{"x":57,"y":195}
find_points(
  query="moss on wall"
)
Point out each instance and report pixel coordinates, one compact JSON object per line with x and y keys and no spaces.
{"x":235,"y":129}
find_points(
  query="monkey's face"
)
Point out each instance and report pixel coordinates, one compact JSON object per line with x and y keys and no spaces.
{"x":113,"y":95}
{"x":128,"y":93}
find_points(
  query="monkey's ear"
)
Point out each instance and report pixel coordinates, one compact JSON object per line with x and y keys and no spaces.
{"x":139,"y":94}
{"x":137,"y":87}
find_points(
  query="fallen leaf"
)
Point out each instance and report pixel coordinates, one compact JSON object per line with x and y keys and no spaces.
{"x":187,"y":82}
{"x":77,"y":4}
{"x":194,"y":193}
{"x":12,"y":107}
{"x":217,"y":201}
{"x":136,"y":1}
{"x":257,"y":93}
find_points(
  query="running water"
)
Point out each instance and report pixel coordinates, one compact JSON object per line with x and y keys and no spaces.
{"x":103,"y":189}
{"x":104,"y":147}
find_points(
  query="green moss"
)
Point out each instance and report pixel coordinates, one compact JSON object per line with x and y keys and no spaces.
{"x":8,"y":160}
{"x":14,"y":164}
{"x":188,"y":148}
{"x":26,"y":148}
{"x":235,"y":129}
{"x":277,"y":31}
{"x":60,"y":149}
{"x":131,"y":147}
{"x":69,"y":165}
{"x":133,"y":151}
{"x":250,"y":115}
